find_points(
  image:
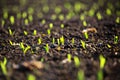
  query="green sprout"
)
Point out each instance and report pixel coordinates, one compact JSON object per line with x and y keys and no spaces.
{"x":5,"y":14}
{"x":100,"y":75}
{"x":18,"y":15}
{"x":108,"y":11}
{"x":108,"y":45}
{"x":39,"y":40}
{"x":53,"y":40}
{"x":51,"y":25}
{"x":99,"y":16}
{"x":82,"y":17}
{"x":62,"y":40}
{"x":11,"y":43}
{"x":48,"y":31}
{"x":57,"y":9}
{"x":91,"y":12}
{"x":69,"y":57}
{"x":73,"y":41}
{"x":24,"y":15}
{"x":35,"y":32}
{"x":30,"y":10}
{"x":31,"y":77}
{"x":62,"y":25}
{"x":24,"y":49}
{"x":10,"y":31}
{"x":42,"y":59}
{"x":76,"y":61}
{"x":45,"y":8}
{"x":26,"y":21}
{"x":43,"y":21}
{"x":86,"y":35}
{"x":116,"y":39}
{"x":3,"y":66}
{"x":3,"y":23}
{"x":46,"y":48}
{"x":77,"y":6}
{"x":102,"y":61}
{"x":53,"y":17}
{"x":80,"y":75}
{"x":25,"y":33}
{"x":30,"y":17}
{"x":117,"y":20}
{"x":58,"y":41}
{"x":12,"y":20}
{"x":61,"y":17}
{"x":84,"y":23}
{"x":83,"y":44}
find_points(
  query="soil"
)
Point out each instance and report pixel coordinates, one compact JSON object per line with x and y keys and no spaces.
{"x":55,"y":63}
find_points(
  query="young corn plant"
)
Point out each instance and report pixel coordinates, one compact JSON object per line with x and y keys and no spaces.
{"x":73,"y":41}
{"x":26,"y":21}
{"x":84,"y":23}
{"x":62,"y":40}
{"x":48,"y":32}
{"x":51,"y":25}
{"x":116,"y":39}
{"x":25,"y":33}
{"x":58,"y":41}
{"x":39,"y":40}
{"x":35,"y":32}
{"x":3,"y":66}
{"x":3,"y":23}
{"x":80,"y":75}
{"x":86,"y":35}
{"x":53,"y":40}
{"x":12,"y":20}
{"x":83,"y":44}
{"x":76,"y":61}
{"x":11,"y":33}
{"x":31,"y":77}
{"x":24,"y":49}
{"x":69,"y":57}
{"x":46,"y":47}
{"x":62,"y":26}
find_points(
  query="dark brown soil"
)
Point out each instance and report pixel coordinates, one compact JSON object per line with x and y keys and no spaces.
{"x":54,"y":66}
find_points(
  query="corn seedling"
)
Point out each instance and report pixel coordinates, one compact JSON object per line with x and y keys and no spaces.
{"x":86,"y":35}
{"x":43,"y":21}
{"x":46,"y":48}
{"x":3,"y":66}
{"x":108,"y":45}
{"x":99,"y":16}
{"x":3,"y":23}
{"x":82,"y":17}
{"x":77,"y":6}
{"x":115,"y":39}
{"x":53,"y":40}
{"x":76,"y":61}
{"x":5,"y":14}
{"x":80,"y":75}
{"x":42,"y":59}
{"x":100,"y":75}
{"x":61,"y":17}
{"x":24,"y":15}
{"x":19,"y":15}
{"x":30,"y":17}
{"x":51,"y":25}
{"x":83,"y":44}
{"x":39,"y":40}
{"x":30,"y":10}
{"x":62,"y":25}
{"x":73,"y":41}
{"x":69,"y":57}
{"x":58,"y":41}
{"x":31,"y":77}
{"x":25,"y":33}
{"x":57,"y":9}
{"x":102,"y":61}
{"x":45,"y":8}
{"x":84,"y":23}
{"x":26,"y":21}
{"x":48,"y":31}
{"x":117,"y":20}
{"x":108,"y":11}
{"x":62,"y":40}
{"x":53,"y":17}
{"x":11,"y":43}
{"x":35,"y":32}
{"x":12,"y":20}
{"x":24,"y":49}
{"x":10,"y":32}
